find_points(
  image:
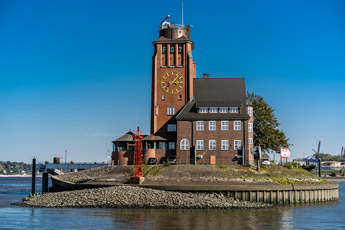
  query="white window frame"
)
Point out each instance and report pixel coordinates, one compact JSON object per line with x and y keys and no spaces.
{"x":199,"y":144}
{"x":233,"y":110}
{"x":250,"y":111}
{"x":213,"y":110}
{"x":203,"y":110}
{"x":171,"y":127}
{"x":211,"y":126}
{"x":212,"y":145}
{"x":223,"y":110}
{"x":225,"y":144}
{"x":224,"y":125}
{"x":172,"y":145}
{"x":237,"y":125}
{"x":200,"y":125}
{"x":250,"y":127}
{"x":250,"y":141}
{"x":184,"y":144}
{"x":171,"y":110}
{"x":237,"y":145}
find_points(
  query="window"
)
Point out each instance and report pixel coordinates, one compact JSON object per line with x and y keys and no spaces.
{"x":164,"y":49}
{"x":237,"y":125}
{"x":171,"y":128}
{"x":163,"y":97}
{"x":171,"y":110}
{"x":200,"y":144}
{"x":213,"y":110}
{"x":200,"y":125}
{"x":237,"y":145}
{"x":203,"y":110}
{"x":184,"y":145}
{"x":172,"y":49}
{"x":162,"y":145}
{"x":180,"y":97}
{"x":233,"y":110}
{"x":212,"y":145}
{"x":225,"y":145}
{"x":180,"y":49}
{"x":250,"y":111}
{"x":212,"y":125}
{"x":250,"y":141}
{"x":250,"y":127}
{"x":225,"y":125}
{"x":223,"y":110}
{"x":171,"y":145}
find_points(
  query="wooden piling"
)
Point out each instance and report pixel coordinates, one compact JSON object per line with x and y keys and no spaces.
{"x":33,"y":180}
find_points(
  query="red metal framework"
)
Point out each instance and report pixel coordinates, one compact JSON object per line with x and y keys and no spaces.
{"x":138,"y":154}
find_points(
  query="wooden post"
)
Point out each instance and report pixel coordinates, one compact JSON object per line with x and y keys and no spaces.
{"x":45,"y":182}
{"x":319,"y":167}
{"x":33,"y":185}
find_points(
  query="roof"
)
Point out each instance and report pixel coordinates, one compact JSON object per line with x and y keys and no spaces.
{"x":153,"y":137}
{"x":216,"y":92}
{"x":125,"y":137}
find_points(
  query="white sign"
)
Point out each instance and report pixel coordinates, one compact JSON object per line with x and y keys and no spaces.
{"x":284,"y":152}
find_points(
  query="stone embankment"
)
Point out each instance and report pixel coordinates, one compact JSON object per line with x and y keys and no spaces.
{"x":85,"y":175}
{"x":136,"y":197}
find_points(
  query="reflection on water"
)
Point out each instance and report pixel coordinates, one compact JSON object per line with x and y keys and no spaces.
{"x":310,"y":216}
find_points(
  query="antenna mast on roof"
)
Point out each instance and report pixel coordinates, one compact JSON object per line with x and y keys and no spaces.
{"x":182,"y":12}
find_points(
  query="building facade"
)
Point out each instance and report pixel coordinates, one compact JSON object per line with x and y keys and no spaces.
{"x":197,"y":120}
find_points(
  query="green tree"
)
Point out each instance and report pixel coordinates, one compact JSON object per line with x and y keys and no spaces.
{"x":266,"y":131}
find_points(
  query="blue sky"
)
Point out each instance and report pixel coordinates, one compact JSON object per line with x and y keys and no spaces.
{"x":74,"y":75}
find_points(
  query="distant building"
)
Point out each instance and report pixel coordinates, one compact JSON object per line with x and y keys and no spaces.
{"x":206,"y":119}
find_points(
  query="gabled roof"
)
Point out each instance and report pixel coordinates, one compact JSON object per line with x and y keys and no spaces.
{"x":125,"y":137}
{"x":219,"y":92}
{"x":216,"y":92}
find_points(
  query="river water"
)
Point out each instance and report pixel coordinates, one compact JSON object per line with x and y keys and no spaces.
{"x":322,"y":216}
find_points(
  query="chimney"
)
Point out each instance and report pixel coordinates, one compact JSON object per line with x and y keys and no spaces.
{"x":205,"y":75}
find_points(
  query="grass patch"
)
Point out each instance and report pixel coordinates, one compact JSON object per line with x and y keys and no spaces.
{"x":279,"y":174}
{"x":152,"y":170}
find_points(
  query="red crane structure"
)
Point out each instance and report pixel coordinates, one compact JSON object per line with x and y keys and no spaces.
{"x":138,"y":154}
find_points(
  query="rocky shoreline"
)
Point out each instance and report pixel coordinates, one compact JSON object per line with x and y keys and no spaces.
{"x":136,"y":197}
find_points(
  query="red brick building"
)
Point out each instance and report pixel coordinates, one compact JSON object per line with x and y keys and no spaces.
{"x":204,"y":119}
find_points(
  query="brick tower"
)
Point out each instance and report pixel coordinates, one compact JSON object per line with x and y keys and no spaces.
{"x":173,"y":70}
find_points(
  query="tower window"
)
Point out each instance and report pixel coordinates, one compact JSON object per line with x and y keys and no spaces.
{"x":180,"y":97}
{"x":180,"y":49}
{"x":164,"y":49}
{"x":250,"y":127}
{"x":250,"y":111}
{"x":172,"y":49}
{"x":163,"y":97}
{"x":171,"y":110}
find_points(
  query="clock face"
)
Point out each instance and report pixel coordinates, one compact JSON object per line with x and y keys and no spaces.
{"x":172,"y":82}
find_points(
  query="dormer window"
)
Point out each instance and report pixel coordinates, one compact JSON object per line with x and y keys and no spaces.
{"x":223,"y":110}
{"x":203,"y":110}
{"x":233,"y":110}
{"x":213,"y":110}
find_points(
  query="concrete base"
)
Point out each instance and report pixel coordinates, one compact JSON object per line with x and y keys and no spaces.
{"x":137,"y":180}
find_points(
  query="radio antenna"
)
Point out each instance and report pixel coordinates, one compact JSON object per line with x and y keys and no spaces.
{"x":182,"y":12}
